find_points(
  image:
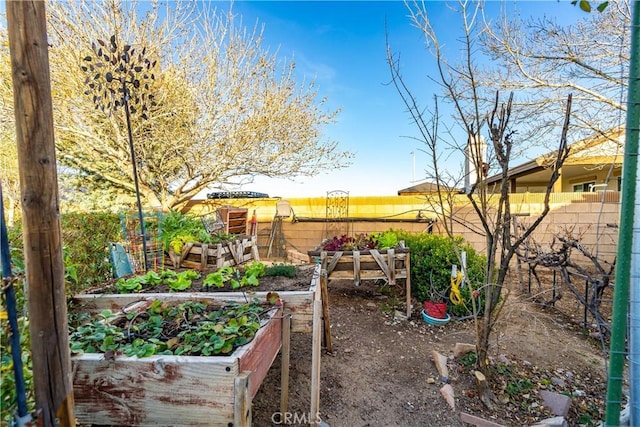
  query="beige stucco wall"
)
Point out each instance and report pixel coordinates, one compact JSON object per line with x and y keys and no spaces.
{"x":583,"y":215}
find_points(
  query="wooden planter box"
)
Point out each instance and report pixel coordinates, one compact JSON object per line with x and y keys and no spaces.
{"x":298,"y":303}
{"x":372,"y":264}
{"x":304,"y":311}
{"x":203,"y":256}
{"x":175,"y":390}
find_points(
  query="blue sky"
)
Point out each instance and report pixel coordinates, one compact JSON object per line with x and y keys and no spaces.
{"x":341,"y":45}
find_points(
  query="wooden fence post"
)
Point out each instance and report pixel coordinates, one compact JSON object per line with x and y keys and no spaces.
{"x":41,"y":213}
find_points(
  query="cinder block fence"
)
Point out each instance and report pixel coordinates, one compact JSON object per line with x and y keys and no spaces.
{"x":591,"y":216}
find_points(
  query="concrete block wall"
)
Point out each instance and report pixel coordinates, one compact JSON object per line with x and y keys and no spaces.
{"x":304,"y":230}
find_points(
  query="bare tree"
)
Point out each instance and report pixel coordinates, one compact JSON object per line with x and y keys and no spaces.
{"x":228,"y":109}
{"x":476,"y":118}
{"x":9,"y":158}
{"x":576,"y":263}
{"x":543,"y":60}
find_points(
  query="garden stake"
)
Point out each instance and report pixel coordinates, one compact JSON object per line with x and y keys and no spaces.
{"x":128,"y":69}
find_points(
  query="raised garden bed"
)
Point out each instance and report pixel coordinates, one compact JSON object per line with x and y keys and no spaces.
{"x":198,"y":390}
{"x":110,"y":389}
{"x":203,"y":256}
{"x":370,"y":264}
{"x":296,"y":297}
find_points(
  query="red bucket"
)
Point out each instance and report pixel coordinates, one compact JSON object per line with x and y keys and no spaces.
{"x":437,"y":310}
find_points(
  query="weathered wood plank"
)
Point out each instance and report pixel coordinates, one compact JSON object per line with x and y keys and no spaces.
{"x":285,"y":359}
{"x":324,"y":285}
{"x":323,"y":260}
{"x":174,"y":390}
{"x":254,"y":252}
{"x":335,"y":258}
{"x":204,"y":256}
{"x":407,"y":266}
{"x":258,"y":355}
{"x":233,"y":251}
{"x":315,"y":360}
{"x":391,"y":263}
{"x":382,"y":263}
{"x":366,"y":275}
{"x":34,"y":126}
{"x":242,"y":410}
{"x":219,"y":258}
{"x":356,"y":268}
{"x":154,"y":390}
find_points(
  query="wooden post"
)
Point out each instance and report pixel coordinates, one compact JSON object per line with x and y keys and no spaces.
{"x":315,"y":362}
{"x":254,"y":247}
{"x":407,"y":264}
{"x":242,"y":400}
{"x":284,"y":356}
{"x":324,"y":293}
{"x":41,"y":212}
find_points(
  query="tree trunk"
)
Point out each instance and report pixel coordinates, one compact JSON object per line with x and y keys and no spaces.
{"x":41,"y":215}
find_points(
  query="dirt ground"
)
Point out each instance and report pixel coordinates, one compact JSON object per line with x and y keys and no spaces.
{"x":381,"y":373}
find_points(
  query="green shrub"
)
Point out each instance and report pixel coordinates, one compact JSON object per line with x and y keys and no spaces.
{"x":86,"y":263}
{"x":285,"y":270}
{"x":177,"y":228}
{"x":432,"y":256}
{"x":85,"y":238}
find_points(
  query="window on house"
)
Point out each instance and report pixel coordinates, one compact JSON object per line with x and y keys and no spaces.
{"x":583,"y":187}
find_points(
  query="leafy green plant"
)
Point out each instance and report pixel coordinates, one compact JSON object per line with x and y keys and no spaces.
{"x":85,"y":236}
{"x":517,"y":387}
{"x":219,"y":277}
{"x":135,"y":283}
{"x":189,"y":328}
{"x":431,"y":259}
{"x":249,"y":280}
{"x":255,"y":268}
{"x":96,"y":337}
{"x":128,"y":285}
{"x":393,"y":302}
{"x":278,"y":269}
{"x":150,"y":278}
{"x":469,"y":360}
{"x":178,"y":242}
{"x":385,"y":240}
{"x":232,"y":276}
{"x":85,"y":252}
{"x":183,"y":280}
{"x":177,"y":229}
{"x":222,"y":237}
